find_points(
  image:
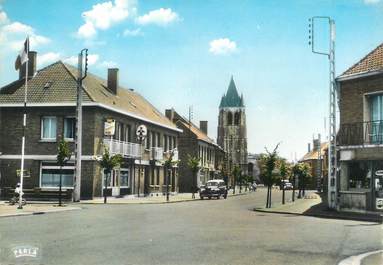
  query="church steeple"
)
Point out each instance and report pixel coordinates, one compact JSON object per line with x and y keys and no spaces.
{"x":232,"y":98}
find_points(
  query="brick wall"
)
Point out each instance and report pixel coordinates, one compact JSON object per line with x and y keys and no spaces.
{"x":352,"y":97}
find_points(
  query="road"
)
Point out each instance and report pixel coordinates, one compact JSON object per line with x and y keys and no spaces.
{"x":198,"y":232}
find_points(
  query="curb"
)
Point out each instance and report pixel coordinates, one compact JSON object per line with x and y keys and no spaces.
{"x":36,"y":213}
{"x":326,"y":216}
{"x":154,"y":202}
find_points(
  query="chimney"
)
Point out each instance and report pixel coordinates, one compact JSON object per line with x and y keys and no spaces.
{"x":113,"y":80}
{"x":169,"y":113}
{"x":316,"y":144}
{"x":309,"y":147}
{"x":31,"y":66}
{"x":203,"y":126}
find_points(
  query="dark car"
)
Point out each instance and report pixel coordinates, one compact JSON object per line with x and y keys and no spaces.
{"x":213,"y":188}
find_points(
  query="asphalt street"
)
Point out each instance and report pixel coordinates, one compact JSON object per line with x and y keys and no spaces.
{"x":197,"y":232}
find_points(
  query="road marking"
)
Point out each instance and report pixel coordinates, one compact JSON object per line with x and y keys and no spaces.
{"x":355,"y":260}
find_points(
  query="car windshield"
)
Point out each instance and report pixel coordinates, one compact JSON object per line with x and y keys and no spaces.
{"x":213,"y":183}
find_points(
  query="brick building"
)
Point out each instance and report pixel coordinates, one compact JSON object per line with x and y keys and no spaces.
{"x":360,"y":137}
{"x":195,"y":142}
{"x":51,"y":117}
{"x":316,"y":157}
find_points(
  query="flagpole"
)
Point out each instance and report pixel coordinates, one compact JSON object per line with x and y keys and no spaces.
{"x":24,"y":127}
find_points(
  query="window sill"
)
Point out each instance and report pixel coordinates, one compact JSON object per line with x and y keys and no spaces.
{"x":47,"y":140}
{"x":69,"y":140}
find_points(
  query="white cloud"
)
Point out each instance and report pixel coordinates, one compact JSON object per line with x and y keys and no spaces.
{"x":13,"y":34}
{"x":133,"y":33}
{"x":3,"y":17}
{"x":73,"y":60}
{"x":47,"y":58}
{"x":222,"y":46}
{"x":86,"y":31}
{"x":108,"y":64}
{"x":103,"y":15}
{"x":161,"y":17}
{"x":371,"y":2}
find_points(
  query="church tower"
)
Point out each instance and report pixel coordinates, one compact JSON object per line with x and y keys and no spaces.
{"x":232,"y":135}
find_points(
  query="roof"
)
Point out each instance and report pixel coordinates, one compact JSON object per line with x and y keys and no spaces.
{"x":232,"y":98}
{"x":313,"y":155}
{"x":372,"y":62}
{"x":63,"y":87}
{"x":197,"y":132}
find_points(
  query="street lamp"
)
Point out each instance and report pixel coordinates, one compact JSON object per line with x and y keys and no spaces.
{"x":141,"y":135}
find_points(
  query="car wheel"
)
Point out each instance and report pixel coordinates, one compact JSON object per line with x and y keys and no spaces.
{"x":201,"y":197}
{"x":218,"y":197}
{"x":209,"y":197}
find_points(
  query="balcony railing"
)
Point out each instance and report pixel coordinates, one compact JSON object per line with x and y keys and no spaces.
{"x":157,"y":153}
{"x":361,"y":133}
{"x":125,"y":149}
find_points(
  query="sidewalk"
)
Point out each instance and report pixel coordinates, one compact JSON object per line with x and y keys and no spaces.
{"x":312,"y":205}
{"x":160,"y":199}
{"x":31,"y":209}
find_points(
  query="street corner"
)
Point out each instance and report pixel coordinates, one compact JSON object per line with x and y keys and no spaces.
{"x":368,"y":258}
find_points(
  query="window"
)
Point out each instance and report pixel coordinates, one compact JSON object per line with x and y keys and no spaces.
{"x":237,"y":118}
{"x":48,"y":128}
{"x":127,"y":133}
{"x":376,"y":110}
{"x":147,"y":140}
{"x":229,"y":118}
{"x":165,"y":143}
{"x":359,"y":175}
{"x":124,"y":177}
{"x":153,"y":137}
{"x":69,"y":128}
{"x":50,"y":175}
{"x":158,"y":140}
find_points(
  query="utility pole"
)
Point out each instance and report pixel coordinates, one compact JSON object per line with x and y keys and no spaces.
{"x":330,"y":53}
{"x":82,"y":60}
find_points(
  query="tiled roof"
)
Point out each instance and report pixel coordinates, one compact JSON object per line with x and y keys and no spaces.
{"x":313,"y":155}
{"x":197,"y":132}
{"x":370,"y":63}
{"x":63,"y":88}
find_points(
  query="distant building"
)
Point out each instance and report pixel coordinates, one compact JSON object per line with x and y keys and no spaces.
{"x":316,"y":157}
{"x":360,"y":136}
{"x":253,"y":167}
{"x":51,"y":111}
{"x":232,"y":135}
{"x":195,"y":142}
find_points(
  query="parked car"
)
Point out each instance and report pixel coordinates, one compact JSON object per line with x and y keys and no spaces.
{"x":288,"y":186}
{"x":213,"y":188}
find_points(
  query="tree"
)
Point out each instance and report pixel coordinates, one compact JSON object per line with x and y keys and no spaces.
{"x":268,"y":174}
{"x":237,"y":175}
{"x":194,"y":165}
{"x":168,"y":164}
{"x":283,"y":173}
{"x":302,"y":171}
{"x":108,"y":162}
{"x":63,"y":156}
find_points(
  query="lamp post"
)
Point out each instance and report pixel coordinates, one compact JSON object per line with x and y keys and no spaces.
{"x":141,"y":134}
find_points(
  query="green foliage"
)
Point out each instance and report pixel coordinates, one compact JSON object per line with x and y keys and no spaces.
{"x":108,"y":162}
{"x":193,"y":164}
{"x":303,"y":171}
{"x":237,"y":174}
{"x":169,"y":162}
{"x":63,"y":153}
{"x":267,"y":166}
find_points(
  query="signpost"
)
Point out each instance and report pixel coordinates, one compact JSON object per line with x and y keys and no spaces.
{"x":141,"y":133}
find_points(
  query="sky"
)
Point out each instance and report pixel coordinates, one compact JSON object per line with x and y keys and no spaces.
{"x":181,"y":53}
